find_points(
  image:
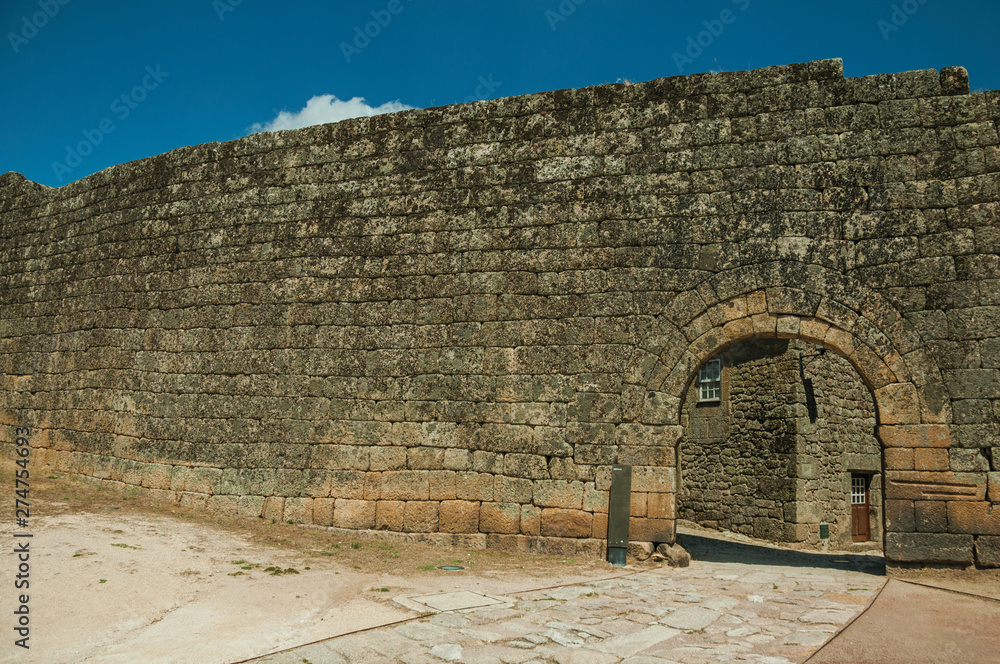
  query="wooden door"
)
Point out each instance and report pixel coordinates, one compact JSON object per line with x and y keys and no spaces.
{"x":860,"y":518}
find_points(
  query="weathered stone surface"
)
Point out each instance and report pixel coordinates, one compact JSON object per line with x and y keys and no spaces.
{"x":420,"y":517}
{"x":323,"y":511}
{"x":474,"y":486}
{"x":357,"y":514}
{"x":639,"y":550}
{"x":988,"y":551}
{"x":389,"y":515}
{"x":558,"y":493}
{"x":694,"y":617}
{"x":978,"y":518}
{"x":459,"y":516}
{"x":651,"y":530}
{"x":338,"y":312}
{"x":500,"y":518}
{"x":900,"y":516}
{"x":557,"y":522}
{"x":531,"y":520}
{"x":512,"y":489}
{"x":915,"y":435}
{"x":298,"y":510}
{"x":629,"y":644}
{"x":274,"y":508}
{"x":674,"y":554}
{"x":254,"y":506}
{"x":404,"y":485}
{"x":945,"y":548}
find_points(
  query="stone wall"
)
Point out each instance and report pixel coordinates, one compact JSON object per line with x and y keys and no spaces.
{"x":737,"y":455}
{"x":458,"y":318}
{"x":836,"y":438}
{"x":773,"y":458}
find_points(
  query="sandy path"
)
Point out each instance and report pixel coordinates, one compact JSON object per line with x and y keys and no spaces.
{"x":121,"y":587}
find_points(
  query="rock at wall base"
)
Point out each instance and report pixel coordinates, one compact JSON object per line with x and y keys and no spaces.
{"x":639,"y":550}
{"x":674,"y":555}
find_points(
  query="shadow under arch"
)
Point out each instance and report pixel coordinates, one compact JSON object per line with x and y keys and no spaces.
{"x":707,"y":548}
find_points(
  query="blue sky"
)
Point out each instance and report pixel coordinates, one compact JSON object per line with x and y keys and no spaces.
{"x":125,"y":80}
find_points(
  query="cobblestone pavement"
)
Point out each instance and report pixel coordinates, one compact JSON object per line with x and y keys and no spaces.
{"x":736,"y":602}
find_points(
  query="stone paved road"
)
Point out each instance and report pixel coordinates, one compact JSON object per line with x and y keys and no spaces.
{"x":736,"y":602}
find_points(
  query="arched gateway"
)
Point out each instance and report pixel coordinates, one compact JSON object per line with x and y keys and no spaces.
{"x":456,"y":321}
{"x":913,"y":412}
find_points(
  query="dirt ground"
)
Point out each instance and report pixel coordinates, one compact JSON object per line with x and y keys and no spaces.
{"x":116,"y":577}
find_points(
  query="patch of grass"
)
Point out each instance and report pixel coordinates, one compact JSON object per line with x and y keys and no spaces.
{"x":245,"y":565}
{"x":124,"y":546}
{"x":356,"y":545}
{"x":380,"y":590}
{"x":427,"y":567}
{"x":236,"y":574}
{"x":102,"y":580}
{"x":277,"y":571}
{"x":357,"y":566}
{"x":385,"y":547}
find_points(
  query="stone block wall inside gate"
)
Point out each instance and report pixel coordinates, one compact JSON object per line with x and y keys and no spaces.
{"x":456,"y":319}
{"x":774,"y":456}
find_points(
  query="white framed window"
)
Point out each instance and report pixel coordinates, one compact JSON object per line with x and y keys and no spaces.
{"x":710,"y":381}
{"x":859,"y":490}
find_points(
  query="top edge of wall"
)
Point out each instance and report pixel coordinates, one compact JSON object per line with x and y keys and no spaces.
{"x":16,"y":191}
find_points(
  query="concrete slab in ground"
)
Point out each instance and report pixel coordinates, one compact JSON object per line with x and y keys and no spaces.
{"x":909,"y":624}
{"x":456,"y":601}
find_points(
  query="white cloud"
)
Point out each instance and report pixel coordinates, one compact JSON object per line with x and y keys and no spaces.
{"x":327,"y":108}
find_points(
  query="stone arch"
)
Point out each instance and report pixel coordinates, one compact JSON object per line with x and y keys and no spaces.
{"x":755,"y":301}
